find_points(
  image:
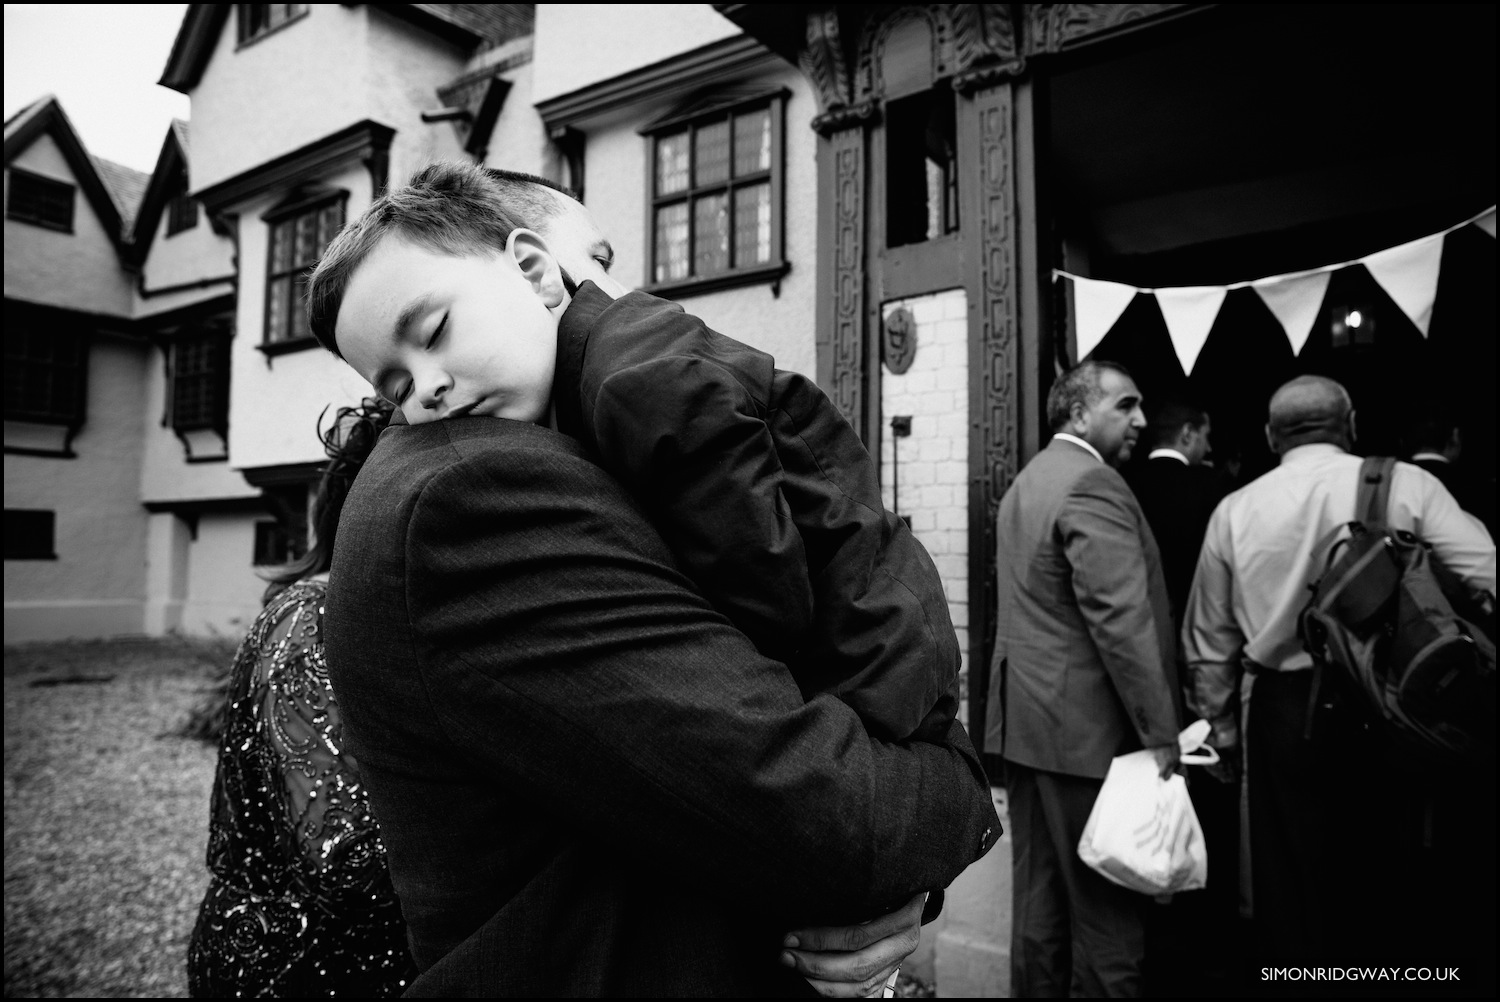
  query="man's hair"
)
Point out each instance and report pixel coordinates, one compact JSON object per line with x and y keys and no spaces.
{"x":449,"y":207}
{"x":1310,"y":409}
{"x":1079,"y":385}
{"x":1168,"y":419}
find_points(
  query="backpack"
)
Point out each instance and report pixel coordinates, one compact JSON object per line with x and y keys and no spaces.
{"x":1399,"y":633}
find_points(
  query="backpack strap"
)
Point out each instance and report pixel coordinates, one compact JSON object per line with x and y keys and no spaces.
{"x":1372,"y":502}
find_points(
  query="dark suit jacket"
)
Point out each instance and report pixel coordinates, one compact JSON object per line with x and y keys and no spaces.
{"x":1473,"y":495}
{"x":770,"y":502}
{"x":587,"y":782}
{"x":1178,"y":500}
{"x":1084,"y":649}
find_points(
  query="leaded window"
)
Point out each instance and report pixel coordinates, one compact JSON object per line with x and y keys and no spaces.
{"x":44,"y":375}
{"x":41,"y":201}
{"x":716,"y":194}
{"x":257,"y":19}
{"x":297,"y":241}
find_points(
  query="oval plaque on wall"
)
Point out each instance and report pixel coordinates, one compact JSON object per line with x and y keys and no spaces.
{"x":899,"y":346}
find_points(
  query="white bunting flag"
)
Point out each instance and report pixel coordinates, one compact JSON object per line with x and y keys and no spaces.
{"x":1486,"y":222}
{"x":1190,"y":312}
{"x":1295,"y":302}
{"x":1409,"y":275}
{"x":1096,"y":307}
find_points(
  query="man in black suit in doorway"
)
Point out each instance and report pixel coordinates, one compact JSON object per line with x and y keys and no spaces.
{"x":1177,"y":491}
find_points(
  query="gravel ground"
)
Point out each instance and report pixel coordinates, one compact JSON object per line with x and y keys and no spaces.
{"x":106,"y":816}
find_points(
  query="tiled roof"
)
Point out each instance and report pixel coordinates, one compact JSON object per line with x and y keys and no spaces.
{"x":126,"y":185}
{"x":492,"y":22}
{"x":180,"y":129}
{"x":26,"y":111}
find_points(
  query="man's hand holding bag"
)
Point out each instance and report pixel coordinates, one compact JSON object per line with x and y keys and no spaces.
{"x":1143,"y":833}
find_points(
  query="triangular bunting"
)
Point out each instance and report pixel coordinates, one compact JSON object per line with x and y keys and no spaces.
{"x":1096,"y":307}
{"x":1190,"y":312}
{"x":1409,"y":275}
{"x":1295,"y":302}
{"x":1486,"y":222}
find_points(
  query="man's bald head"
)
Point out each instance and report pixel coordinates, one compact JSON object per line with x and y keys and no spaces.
{"x":1310,"y":409}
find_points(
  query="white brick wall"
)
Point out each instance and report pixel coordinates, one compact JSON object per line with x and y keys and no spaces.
{"x":934,"y":471}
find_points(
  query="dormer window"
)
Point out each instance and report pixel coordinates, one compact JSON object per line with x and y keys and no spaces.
{"x":257,"y":19}
{"x":182,"y":213}
{"x":40,"y":201}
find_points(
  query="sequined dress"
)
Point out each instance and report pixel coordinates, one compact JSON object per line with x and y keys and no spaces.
{"x":299,"y":902}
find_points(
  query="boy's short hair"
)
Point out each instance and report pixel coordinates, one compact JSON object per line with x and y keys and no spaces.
{"x":449,"y":207}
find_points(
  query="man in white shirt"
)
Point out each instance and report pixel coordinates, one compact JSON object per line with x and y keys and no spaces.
{"x":1313,"y":882}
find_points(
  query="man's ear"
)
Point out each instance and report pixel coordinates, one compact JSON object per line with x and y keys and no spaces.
{"x":1271,"y":441}
{"x":1353,"y":433}
{"x":1185,"y":436}
{"x":534,"y":258}
{"x":1077,"y":414}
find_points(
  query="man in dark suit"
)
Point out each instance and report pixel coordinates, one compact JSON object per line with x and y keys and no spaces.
{"x":1435,"y":443}
{"x":588,"y":783}
{"x":1177,"y":492}
{"x":1083,"y":672}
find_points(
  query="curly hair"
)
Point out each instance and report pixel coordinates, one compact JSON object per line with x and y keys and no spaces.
{"x":348,"y":442}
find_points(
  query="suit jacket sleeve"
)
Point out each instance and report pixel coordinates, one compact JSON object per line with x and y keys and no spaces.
{"x":571,"y":655}
{"x":688,"y":436}
{"x":1101,"y":535}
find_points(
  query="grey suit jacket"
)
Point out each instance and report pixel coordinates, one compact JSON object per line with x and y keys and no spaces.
{"x":1084,"y":665}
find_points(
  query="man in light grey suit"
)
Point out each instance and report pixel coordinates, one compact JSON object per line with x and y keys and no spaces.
{"x":1083,"y":671}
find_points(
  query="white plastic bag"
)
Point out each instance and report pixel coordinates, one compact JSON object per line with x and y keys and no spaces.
{"x":1143,"y":833}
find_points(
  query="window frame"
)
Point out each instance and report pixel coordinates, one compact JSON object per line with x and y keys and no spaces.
{"x":182,"y":213}
{"x":17,"y":173}
{"x":215,"y":377}
{"x":78,"y":380}
{"x":48,"y":518}
{"x":243,"y":37}
{"x":693,"y":117}
{"x":312,"y":204}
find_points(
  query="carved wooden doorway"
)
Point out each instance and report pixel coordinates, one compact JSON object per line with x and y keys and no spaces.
{"x":922,"y":220}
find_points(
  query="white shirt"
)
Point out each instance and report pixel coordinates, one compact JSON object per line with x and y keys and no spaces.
{"x":1257,"y":558}
{"x":1079,"y":442}
{"x":1169,"y":454}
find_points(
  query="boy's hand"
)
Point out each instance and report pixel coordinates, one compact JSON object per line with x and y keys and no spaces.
{"x":855,"y":961}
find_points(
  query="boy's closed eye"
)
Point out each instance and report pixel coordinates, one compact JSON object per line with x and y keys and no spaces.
{"x":437,"y":331}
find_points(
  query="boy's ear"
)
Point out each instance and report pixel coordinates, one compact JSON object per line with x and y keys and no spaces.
{"x":534,"y":258}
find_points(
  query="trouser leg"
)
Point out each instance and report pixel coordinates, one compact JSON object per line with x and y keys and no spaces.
{"x":1316,"y":834}
{"x":1108,"y":928}
{"x":1073,"y":932}
{"x":1039,"y":940}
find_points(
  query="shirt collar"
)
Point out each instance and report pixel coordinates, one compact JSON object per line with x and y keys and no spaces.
{"x":1436,"y":457}
{"x":1169,"y":454}
{"x":1079,"y":442}
{"x":1311,"y":450}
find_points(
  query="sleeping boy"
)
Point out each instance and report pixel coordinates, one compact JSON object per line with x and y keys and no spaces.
{"x":472,"y":292}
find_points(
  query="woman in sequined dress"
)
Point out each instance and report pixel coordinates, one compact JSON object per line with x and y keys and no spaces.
{"x":299,"y":902}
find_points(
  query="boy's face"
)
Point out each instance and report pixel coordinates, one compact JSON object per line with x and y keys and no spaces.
{"x":443,"y":336}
